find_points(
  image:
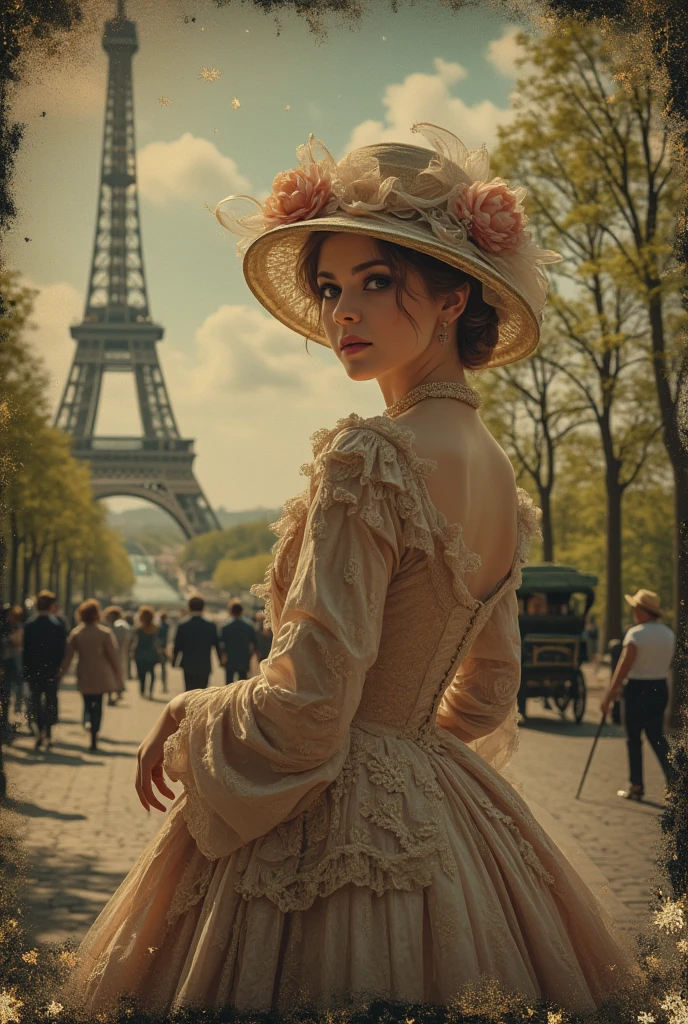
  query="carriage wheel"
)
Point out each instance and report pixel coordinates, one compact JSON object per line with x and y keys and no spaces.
{"x":579,"y":699}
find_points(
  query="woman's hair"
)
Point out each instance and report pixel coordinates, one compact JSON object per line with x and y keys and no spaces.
{"x":478,"y":326}
{"x":146,"y":615}
{"x":89,"y":611}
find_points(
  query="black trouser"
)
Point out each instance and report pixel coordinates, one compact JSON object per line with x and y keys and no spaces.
{"x":196,"y":680}
{"x":93,"y":710}
{"x":645,"y":701}
{"x":43,"y":703}
{"x":144,"y":667}
{"x":240,"y":670}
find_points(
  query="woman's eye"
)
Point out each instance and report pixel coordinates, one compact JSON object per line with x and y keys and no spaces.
{"x":329,"y":291}
{"x":378,"y":283}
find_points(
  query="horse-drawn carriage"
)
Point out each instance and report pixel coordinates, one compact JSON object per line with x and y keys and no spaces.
{"x":553,"y":601}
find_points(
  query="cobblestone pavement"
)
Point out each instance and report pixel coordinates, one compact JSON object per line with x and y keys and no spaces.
{"x":621,"y":837}
{"x":84,"y":827}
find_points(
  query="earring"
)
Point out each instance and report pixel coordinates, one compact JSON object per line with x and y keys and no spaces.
{"x":442,"y":337}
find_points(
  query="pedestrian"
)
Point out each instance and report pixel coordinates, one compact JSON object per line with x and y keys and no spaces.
{"x":163,"y":637}
{"x":12,"y":640}
{"x":45,"y":638}
{"x":129,"y":619}
{"x":263,"y":636}
{"x":123,"y":634}
{"x":648,"y":650}
{"x":194,"y":640}
{"x":98,"y":669}
{"x":237,"y":643}
{"x":592,"y":637}
{"x":146,"y":647}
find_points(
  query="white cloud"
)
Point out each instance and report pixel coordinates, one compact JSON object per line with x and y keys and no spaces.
{"x":428,"y":97}
{"x":187,"y":169}
{"x":501,"y":54}
{"x":251,"y":395}
{"x":56,"y":307}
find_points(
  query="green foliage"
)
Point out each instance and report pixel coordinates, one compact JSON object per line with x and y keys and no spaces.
{"x":237,"y":543}
{"x":49,"y":515}
{"x":239,"y":574}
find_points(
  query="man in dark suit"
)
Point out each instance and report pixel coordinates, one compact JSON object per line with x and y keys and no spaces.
{"x":45,"y":639}
{"x":238,"y":642}
{"x":194,"y":640}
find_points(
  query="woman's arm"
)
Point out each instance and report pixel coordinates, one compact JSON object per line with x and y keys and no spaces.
{"x":258,"y":752}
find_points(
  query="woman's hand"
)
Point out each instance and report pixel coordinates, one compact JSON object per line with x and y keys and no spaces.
{"x":149,"y":756}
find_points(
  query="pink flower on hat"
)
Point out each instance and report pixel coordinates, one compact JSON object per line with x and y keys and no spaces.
{"x":299,"y":194}
{"x":497,"y":218}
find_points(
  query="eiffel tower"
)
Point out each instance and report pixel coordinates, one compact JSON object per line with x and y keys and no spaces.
{"x":117,"y":334}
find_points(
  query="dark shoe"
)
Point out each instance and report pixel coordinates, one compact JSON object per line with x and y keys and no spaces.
{"x":632,"y":793}
{"x":94,"y":744}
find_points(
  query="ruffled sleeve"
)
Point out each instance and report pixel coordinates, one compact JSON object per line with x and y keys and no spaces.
{"x":259,"y":752}
{"x":479,"y":706}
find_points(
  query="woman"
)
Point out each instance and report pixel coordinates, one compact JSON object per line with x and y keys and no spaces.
{"x":98,"y":667}
{"x":344,"y":830}
{"x":146,"y":646}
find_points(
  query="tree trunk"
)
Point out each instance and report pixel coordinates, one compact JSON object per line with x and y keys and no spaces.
{"x":612,"y":625}
{"x":26,"y":578}
{"x":68,"y":592}
{"x":14,"y":558}
{"x":547,"y":527}
{"x":679,"y":697}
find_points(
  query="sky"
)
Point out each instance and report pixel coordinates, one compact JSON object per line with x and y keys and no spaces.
{"x":242,"y":385}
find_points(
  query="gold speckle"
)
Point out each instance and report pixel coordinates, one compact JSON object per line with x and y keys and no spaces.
{"x":384,"y":39}
{"x":164,"y":101}
{"x":288,"y":106}
{"x":30,"y":957}
{"x":210,"y":74}
{"x":235,"y":104}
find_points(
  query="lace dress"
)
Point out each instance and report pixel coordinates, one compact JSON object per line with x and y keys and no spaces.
{"x":344,"y":829}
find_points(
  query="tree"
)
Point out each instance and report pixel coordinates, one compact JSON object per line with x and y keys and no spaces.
{"x":537,"y":412}
{"x":50,"y":522}
{"x":570,"y":120}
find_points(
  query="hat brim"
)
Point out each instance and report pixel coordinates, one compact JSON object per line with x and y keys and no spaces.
{"x":639,"y":604}
{"x":270,"y":270}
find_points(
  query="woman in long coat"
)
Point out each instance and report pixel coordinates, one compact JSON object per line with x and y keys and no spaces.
{"x":98,"y":669}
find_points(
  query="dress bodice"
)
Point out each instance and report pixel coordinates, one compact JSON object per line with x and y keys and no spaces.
{"x":428,"y":617}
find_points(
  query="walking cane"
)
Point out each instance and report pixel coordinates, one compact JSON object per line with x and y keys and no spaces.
{"x":594,"y":744}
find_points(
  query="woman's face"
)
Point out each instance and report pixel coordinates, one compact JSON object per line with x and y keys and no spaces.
{"x":363,"y":323}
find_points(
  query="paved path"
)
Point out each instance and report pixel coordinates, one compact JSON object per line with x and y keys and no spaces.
{"x":619,"y":836}
{"x":83,"y":825}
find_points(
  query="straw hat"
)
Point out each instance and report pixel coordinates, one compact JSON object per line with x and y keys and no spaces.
{"x":438,"y":201}
{"x":646,"y":599}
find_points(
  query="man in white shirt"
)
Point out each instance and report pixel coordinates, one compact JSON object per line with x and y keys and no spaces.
{"x":648,"y":650}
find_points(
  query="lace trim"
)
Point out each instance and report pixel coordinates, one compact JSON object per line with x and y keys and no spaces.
{"x":355,"y":864}
{"x":381,"y":452}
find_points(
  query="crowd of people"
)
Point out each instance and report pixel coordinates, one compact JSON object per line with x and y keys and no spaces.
{"x":111,"y":647}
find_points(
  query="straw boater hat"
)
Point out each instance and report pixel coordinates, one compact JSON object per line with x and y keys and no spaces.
{"x":646,"y":599}
{"x":438,"y":201}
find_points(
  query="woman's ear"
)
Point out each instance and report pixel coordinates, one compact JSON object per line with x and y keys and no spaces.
{"x":455,"y":303}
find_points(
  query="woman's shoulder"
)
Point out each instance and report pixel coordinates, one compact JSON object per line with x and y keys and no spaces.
{"x":366,"y":442}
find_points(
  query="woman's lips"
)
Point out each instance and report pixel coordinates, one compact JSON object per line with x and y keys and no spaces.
{"x":352,"y":344}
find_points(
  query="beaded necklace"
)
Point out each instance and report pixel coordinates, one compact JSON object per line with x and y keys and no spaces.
{"x":436,"y":389}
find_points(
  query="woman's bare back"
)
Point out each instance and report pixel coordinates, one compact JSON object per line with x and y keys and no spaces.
{"x":473,"y":484}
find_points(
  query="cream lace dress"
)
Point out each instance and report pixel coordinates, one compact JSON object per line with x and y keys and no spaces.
{"x":345,"y":830}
